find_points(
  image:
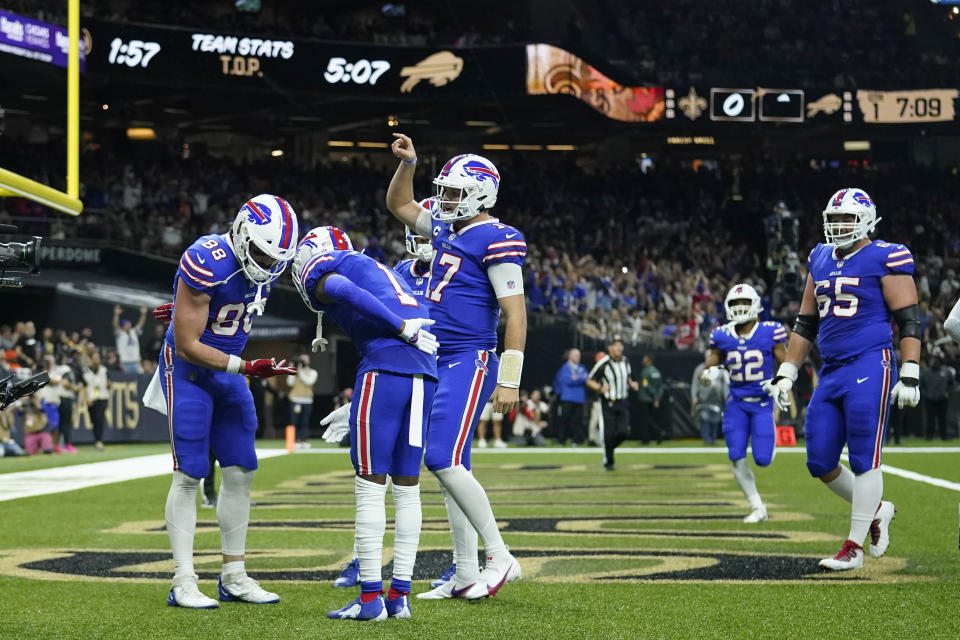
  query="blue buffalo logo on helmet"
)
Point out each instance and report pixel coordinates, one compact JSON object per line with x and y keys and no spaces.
{"x":257,"y":212}
{"x":838,"y":198}
{"x":481,"y":171}
{"x":862,"y":198}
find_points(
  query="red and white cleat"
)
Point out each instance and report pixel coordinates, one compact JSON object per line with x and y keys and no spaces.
{"x":849,"y":557}
{"x":880,"y":529}
{"x":496,"y":573}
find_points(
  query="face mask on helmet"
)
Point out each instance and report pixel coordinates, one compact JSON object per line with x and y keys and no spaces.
{"x":466,"y":186}
{"x":318,"y":242}
{"x":419,"y":247}
{"x":742,"y":304}
{"x":264,"y":237}
{"x":850,"y":216}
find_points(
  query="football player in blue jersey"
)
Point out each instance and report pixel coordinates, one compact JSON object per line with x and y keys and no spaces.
{"x":221,"y":283}
{"x":475,"y":276}
{"x":396,"y":380}
{"x":415,"y":270}
{"x":854,"y":288}
{"x":747,"y":349}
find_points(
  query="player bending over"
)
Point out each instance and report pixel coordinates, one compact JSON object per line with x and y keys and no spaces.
{"x":395,"y":385}
{"x":219,"y":286}
{"x":854,"y":287}
{"x":747,"y":349}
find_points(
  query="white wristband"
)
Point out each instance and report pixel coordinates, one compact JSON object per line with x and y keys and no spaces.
{"x":787,"y":370}
{"x":234,"y":364}
{"x":910,"y":370}
{"x":511,"y":367}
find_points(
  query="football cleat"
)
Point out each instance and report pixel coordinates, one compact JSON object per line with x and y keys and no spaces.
{"x":242,"y":588}
{"x":849,"y":557}
{"x":757,"y":515}
{"x":880,"y":529}
{"x":350,"y":576}
{"x":375,"y":611}
{"x":398,"y":607}
{"x":445,"y":577}
{"x":442,"y":592}
{"x":495,"y":574}
{"x":185,"y":593}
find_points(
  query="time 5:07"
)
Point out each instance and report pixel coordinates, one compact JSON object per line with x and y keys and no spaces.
{"x":360,"y":72}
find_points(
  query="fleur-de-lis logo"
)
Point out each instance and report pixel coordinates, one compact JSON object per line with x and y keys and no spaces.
{"x":692,"y":104}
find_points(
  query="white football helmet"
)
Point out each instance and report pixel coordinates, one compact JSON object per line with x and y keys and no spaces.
{"x":850,"y":201}
{"x":422,"y":251}
{"x":742,"y":311}
{"x":478,"y":181}
{"x":265,"y":237}
{"x":318,"y":242}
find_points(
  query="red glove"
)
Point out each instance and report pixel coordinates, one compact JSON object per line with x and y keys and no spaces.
{"x":164,"y":314}
{"x":264,"y":368}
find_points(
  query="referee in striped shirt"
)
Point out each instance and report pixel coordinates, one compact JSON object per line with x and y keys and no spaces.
{"x":612,"y":378}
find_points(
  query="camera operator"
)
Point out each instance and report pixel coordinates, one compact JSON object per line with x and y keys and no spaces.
{"x":301,"y":399}
{"x":95,"y":377}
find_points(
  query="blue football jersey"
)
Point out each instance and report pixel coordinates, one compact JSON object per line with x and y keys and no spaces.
{"x":209,"y":265}
{"x":854,"y":317}
{"x":410,"y":272}
{"x":748,"y":358}
{"x":460,"y":295}
{"x":377,"y":351}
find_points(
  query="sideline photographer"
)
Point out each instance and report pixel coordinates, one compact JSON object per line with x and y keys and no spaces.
{"x":301,"y":399}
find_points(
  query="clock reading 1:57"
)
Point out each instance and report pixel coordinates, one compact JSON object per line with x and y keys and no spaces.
{"x":924,"y":105}
{"x":133,"y":53}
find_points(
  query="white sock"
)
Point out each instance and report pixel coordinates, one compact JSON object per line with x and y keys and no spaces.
{"x":233,"y":509}
{"x":842,"y":485}
{"x":407,"y":523}
{"x":181,"y":515}
{"x":472,"y":499}
{"x":235,"y":567}
{"x":743,"y":474}
{"x":371,"y":524}
{"x":465,"y":541}
{"x":867,"y":493}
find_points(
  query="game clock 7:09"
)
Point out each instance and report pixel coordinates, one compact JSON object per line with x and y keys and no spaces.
{"x":923,"y":105}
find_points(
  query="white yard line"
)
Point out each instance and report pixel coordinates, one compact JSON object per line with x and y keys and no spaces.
{"x":649,"y":450}
{"x":23,"y":484}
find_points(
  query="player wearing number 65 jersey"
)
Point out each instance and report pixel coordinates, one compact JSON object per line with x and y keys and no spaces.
{"x":221,"y":283}
{"x":854,"y":287}
{"x":475,"y":275}
{"x":747,"y":349}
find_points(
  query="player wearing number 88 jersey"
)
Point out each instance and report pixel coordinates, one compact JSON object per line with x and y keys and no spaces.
{"x":854,"y":289}
{"x":221,"y":283}
{"x":747,"y":349}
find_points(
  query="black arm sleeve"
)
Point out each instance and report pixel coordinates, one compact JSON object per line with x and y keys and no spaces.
{"x":908,"y":320}
{"x":806,"y":326}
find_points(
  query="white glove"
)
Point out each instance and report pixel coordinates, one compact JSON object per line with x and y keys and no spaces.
{"x":711,"y":376}
{"x":422,"y":339}
{"x":769,"y":388}
{"x":782,"y":384}
{"x":906,"y":393}
{"x":338,"y":422}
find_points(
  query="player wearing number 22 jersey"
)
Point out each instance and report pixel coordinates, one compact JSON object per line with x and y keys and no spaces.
{"x":747,"y":348}
{"x":222,"y":281}
{"x":854,"y":289}
{"x":476,"y":274}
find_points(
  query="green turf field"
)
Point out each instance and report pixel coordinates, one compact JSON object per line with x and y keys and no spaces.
{"x":655,"y":549}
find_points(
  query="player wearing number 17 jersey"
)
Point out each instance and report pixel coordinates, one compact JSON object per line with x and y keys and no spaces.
{"x":221,"y":282}
{"x":854,"y":287}
{"x":476,"y":275}
{"x":747,"y":349}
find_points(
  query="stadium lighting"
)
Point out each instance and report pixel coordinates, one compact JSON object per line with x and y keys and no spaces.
{"x":277,"y":153}
{"x":496,"y":147}
{"x":373,"y":145}
{"x":105,"y":107}
{"x":479,"y":123}
{"x":856,"y":145}
{"x":141,"y":133}
{"x":339,"y":143}
{"x":561,"y":147}
{"x":528,"y":147}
